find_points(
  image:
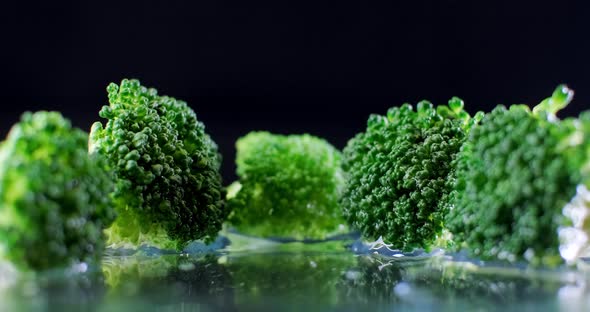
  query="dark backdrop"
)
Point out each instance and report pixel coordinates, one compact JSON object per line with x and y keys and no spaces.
{"x":290,"y":67}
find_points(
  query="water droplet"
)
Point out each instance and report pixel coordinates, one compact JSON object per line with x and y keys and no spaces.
{"x":402,"y":289}
{"x":352,"y":275}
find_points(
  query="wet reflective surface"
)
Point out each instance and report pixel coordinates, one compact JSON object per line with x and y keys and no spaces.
{"x":258,"y":275}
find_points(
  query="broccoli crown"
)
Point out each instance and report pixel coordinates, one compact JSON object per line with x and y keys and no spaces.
{"x":54,"y":201}
{"x":289,"y":186}
{"x":399,"y":172}
{"x":168,"y":187}
{"x":516,"y":172}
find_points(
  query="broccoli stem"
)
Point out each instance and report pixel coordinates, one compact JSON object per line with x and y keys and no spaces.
{"x":560,"y":98}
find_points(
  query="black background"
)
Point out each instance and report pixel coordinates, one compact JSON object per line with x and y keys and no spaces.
{"x":290,"y":67}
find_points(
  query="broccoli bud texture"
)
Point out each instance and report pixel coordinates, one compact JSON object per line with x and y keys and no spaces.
{"x":168,"y":187}
{"x":54,"y":197}
{"x":515,"y":173}
{"x":399,"y":173}
{"x":289,"y":186}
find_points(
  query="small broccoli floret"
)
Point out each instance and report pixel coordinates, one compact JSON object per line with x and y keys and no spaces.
{"x":289,"y":186}
{"x":54,"y":197}
{"x":399,"y":173}
{"x":168,"y":186}
{"x":515,"y":173}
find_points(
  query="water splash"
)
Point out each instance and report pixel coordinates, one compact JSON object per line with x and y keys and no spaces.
{"x":379,"y":244}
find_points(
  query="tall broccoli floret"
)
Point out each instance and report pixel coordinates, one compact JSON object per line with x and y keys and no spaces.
{"x":399,"y":173}
{"x":516,"y":172}
{"x":168,"y":186}
{"x":288,"y":187}
{"x":54,"y":197}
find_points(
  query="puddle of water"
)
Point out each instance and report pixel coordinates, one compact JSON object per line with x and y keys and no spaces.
{"x":250,"y":274}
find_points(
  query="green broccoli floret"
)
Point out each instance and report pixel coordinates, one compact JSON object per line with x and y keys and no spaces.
{"x":168,"y":186}
{"x":516,"y":172}
{"x":399,"y":173}
{"x":54,"y":197}
{"x":289,"y":186}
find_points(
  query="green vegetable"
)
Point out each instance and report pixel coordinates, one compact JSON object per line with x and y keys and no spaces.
{"x":516,"y":172}
{"x":54,"y":201}
{"x":289,"y":186}
{"x":168,"y":186}
{"x":399,"y":173}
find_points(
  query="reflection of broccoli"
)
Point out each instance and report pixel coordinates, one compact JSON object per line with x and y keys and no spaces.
{"x":476,"y":286}
{"x":371,"y":282}
{"x":54,"y":201}
{"x":168,"y":189}
{"x":378,"y":280}
{"x":303,"y":278}
{"x":56,"y":290}
{"x":399,"y":173}
{"x":170,"y":281}
{"x":289,"y":186}
{"x":515,"y":173}
{"x":123,"y":274}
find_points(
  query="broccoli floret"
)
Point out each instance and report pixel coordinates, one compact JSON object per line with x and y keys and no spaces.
{"x":168,"y":187}
{"x":399,"y":173}
{"x":515,"y":173}
{"x":54,"y":197}
{"x":289,"y":186}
